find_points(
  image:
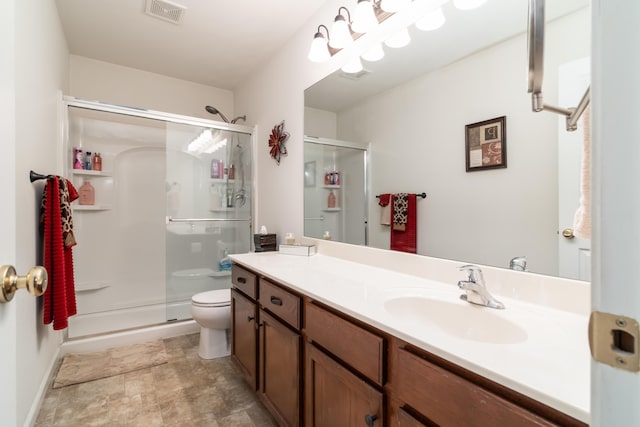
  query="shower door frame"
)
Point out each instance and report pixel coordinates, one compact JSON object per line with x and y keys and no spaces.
{"x":64,"y":142}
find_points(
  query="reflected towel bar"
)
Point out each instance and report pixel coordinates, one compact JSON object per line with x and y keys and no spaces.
{"x":423,"y":195}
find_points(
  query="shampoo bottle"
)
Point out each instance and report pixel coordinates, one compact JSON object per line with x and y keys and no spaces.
{"x":87,"y":194}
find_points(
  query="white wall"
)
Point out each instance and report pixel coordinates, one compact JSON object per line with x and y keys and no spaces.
{"x":41,"y":61}
{"x":103,"y":81}
{"x":473,"y":216}
{"x":320,"y":123}
{"x":275,"y":92}
{"x":8,"y":376}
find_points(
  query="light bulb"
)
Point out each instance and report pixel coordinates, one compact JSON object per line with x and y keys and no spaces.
{"x":319,"y":51}
{"x":364,"y":17}
{"x":431,"y":21}
{"x":394,"y":5}
{"x":340,"y":34}
{"x":467,"y":4}
{"x":375,"y":53}
{"x":353,"y":66}
{"x":399,"y":39}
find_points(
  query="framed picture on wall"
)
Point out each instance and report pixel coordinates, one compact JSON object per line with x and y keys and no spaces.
{"x":486,"y":144}
{"x":310,"y":174}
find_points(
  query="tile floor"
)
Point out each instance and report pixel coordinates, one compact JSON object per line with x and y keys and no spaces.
{"x":187,"y":391}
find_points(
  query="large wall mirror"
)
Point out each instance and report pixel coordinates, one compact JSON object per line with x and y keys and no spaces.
{"x":411,"y":108}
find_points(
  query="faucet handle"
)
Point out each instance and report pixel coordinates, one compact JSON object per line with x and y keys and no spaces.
{"x":473,"y":271}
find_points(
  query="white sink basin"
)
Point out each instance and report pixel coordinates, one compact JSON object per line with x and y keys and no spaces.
{"x":457,"y":318}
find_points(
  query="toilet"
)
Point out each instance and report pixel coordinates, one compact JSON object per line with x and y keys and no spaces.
{"x":212,"y":311}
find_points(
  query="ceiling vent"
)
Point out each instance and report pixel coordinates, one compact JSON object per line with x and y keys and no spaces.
{"x":165,"y":10}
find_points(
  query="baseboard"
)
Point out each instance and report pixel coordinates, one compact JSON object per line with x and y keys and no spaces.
{"x":47,"y":379}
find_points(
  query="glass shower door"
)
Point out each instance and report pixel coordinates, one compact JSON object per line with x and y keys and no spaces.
{"x":335,"y":190}
{"x":208,"y":210}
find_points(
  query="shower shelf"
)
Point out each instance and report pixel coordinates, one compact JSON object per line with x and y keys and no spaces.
{"x":88,"y":287}
{"x":85,"y":172}
{"x":331,"y":209}
{"x":221,"y":180}
{"x":332,"y":186}
{"x":90,"y":208}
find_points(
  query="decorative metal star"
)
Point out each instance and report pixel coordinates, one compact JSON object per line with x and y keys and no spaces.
{"x":276,"y":142}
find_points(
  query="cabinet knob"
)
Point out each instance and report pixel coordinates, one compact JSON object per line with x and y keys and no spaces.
{"x":250,"y":318}
{"x":258,"y":325}
{"x":276,"y":301}
{"x":370,"y":419}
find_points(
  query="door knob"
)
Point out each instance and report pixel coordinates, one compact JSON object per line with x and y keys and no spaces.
{"x":568,"y":233}
{"x":35,"y":282}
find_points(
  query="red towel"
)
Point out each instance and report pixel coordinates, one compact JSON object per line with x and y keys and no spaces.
{"x":404,"y":235}
{"x":57,"y":241}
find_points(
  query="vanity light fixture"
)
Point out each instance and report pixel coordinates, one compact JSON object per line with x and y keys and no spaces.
{"x":431,"y":21}
{"x":341,"y":33}
{"x":364,"y":17}
{"x":394,"y":6}
{"x":468,"y":4}
{"x":375,"y":53}
{"x":319,"y":51}
{"x":399,"y":39}
{"x":353,"y":66}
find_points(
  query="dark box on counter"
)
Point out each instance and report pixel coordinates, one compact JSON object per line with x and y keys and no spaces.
{"x":264,"y":242}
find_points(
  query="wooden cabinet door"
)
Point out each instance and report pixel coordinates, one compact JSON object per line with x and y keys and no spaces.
{"x":280,"y":359}
{"x":336,"y":397}
{"x":244,"y":336}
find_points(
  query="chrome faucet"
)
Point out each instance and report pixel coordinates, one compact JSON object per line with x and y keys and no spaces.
{"x":476,"y":291}
{"x":518,"y":263}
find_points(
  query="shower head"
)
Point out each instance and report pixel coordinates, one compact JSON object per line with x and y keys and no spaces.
{"x":214,"y":110}
{"x":243,"y":118}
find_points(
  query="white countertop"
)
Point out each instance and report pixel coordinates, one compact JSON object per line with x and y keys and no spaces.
{"x":551,"y":363}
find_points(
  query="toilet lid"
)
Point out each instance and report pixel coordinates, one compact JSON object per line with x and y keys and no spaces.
{"x":215,"y":298}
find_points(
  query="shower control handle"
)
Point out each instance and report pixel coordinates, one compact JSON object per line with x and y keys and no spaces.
{"x":276,"y":301}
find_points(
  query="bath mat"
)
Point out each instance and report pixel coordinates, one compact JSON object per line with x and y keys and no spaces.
{"x":80,"y":368}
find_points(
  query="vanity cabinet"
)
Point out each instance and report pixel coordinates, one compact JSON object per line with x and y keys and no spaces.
{"x":429,"y":391}
{"x":344,"y":371}
{"x":267,"y":346}
{"x":244,"y":336}
{"x":280,"y":376}
{"x":314,"y":365}
{"x":336,"y":397}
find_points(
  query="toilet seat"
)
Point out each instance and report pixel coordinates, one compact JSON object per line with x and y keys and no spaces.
{"x":217,"y":298}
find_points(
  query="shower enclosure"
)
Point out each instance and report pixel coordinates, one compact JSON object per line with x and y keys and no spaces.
{"x":173,"y":197}
{"x":336,"y":190}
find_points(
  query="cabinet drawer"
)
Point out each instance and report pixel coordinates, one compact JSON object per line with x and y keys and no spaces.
{"x":244,"y":280}
{"x":439,"y":395}
{"x":359,"y":348}
{"x":280,"y":302}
